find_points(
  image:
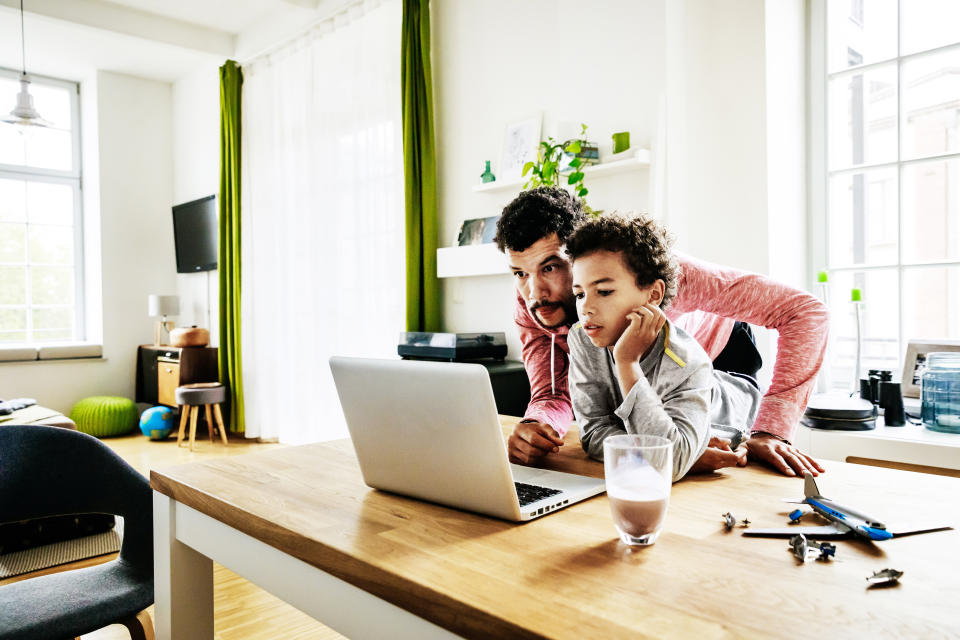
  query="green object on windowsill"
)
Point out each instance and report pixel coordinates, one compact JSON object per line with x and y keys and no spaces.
{"x":487,"y":175}
{"x":855,"y":295}
{"x":621,"y":141}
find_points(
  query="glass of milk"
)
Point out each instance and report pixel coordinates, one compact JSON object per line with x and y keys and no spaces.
{"x":638,"y":473}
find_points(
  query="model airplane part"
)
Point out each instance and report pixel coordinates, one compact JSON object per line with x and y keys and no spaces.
{"x":884,"y":578}
{"x":795,"y":516}
{"x":844,"y":521}
{"x":729,"y":521}
{"x":804,"y":549}
{"x":745,"y":523}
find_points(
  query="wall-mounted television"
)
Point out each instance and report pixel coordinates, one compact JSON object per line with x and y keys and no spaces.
{"x":195,"y":235}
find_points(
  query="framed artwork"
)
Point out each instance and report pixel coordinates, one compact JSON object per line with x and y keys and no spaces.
{"x":916,"y":358}
{"x":477,"y":231}
{"x":520,"y":142}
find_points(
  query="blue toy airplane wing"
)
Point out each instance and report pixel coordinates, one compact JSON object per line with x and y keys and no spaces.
{"x":817,"y":533}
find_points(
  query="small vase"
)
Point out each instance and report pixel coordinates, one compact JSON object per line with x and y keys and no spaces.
{"x":487,"y":175}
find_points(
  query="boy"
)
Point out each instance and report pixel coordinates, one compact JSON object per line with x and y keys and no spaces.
{"x":632,"y":370}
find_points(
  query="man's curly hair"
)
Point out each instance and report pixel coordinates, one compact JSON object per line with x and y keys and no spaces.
{"x":644,"y":245}
{"x":536,"y":214}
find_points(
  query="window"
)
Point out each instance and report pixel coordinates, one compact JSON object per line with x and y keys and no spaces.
{"x":892,"y":165}
{"x":41,"y":247}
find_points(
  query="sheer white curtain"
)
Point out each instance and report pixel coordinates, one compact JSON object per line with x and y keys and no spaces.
{"x":322,"y":218}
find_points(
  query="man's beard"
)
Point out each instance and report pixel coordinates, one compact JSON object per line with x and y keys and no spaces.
{"x":570,"y":312}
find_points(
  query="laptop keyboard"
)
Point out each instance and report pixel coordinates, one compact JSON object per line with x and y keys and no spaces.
{"x":528,"y":493}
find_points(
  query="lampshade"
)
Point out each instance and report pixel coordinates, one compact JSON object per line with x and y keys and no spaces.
{"x":24,"y":115}
{"x":162,"y":306}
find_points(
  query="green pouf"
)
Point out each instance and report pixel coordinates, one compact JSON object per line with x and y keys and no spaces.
{"x":104,"y":416}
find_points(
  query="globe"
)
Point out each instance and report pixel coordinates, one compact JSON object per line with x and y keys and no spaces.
{"x":157,"y":422}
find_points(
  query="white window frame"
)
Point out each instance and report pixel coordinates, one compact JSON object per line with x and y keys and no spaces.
{"x":72,"y":178}
{"x":818,"y":79}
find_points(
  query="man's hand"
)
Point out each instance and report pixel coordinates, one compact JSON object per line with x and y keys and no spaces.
{"x":531,"y":441}
{"x":719,"y":455}
{"x":640,"y":334}
{"x":782,"y":456}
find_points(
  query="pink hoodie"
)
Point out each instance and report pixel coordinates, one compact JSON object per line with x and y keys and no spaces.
{"x":709,"y":300}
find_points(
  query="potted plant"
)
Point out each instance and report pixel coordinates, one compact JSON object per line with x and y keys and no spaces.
{"x":549,"y":167}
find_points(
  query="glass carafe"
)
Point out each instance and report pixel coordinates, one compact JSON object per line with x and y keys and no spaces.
{"x":940,"y":392}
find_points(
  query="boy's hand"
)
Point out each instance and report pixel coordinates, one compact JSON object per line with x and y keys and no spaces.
{"x":782,"y":456}
{"x":640,"y":334}
{"x":532,"y":440}
{"x":719,"y":455}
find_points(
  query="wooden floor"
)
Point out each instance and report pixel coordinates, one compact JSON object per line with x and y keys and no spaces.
{"x":242,"y":611}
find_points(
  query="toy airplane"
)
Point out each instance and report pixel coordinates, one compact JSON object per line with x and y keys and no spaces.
{"x":843,"y":520}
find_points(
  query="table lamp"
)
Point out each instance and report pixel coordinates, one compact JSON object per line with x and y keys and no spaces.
{"x":161,"y":307}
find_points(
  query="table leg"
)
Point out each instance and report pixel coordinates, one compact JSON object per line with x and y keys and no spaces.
{"x":183,"y":580}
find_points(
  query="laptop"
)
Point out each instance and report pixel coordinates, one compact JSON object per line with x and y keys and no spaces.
{"x":429,"y":430}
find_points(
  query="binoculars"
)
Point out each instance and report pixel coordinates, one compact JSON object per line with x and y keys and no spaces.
{"x":880,"y":389}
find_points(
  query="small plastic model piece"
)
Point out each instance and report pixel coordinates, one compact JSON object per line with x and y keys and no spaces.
{"x":803,"y":549}
{"x":745,"y":523}
{"x":884,"y":578}
{"x":729,"y":521}
{"x":795,"y":516}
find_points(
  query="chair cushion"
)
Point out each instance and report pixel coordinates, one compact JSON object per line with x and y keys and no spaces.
{"x":72,"y":603}
{"x":104,"y":416}
{"x":194,"y":395}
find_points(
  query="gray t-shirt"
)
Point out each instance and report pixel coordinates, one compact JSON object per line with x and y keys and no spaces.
{"x":679,"y":397}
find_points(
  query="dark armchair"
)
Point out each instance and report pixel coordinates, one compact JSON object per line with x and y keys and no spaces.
{"x":47,"y":471}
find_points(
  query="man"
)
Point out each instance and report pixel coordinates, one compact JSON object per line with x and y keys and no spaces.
{"x":709,"y":303}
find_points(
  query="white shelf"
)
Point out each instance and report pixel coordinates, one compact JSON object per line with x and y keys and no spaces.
{"x":640,"y":160}
{"x":472,"y":260}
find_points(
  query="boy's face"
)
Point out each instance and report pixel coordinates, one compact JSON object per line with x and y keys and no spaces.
{"x":542,"y":276}
{"x":606,"y":291}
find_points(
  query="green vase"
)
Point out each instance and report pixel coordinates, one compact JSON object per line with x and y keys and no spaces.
{"x":487,"y":175}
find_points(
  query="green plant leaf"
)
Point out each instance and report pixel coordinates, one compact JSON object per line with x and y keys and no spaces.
{"x":573,"y":147}
{"x":527,"y":167}
{"x":576,"y":177}
{"x":582,"y":192}
{"x":576,"y":162}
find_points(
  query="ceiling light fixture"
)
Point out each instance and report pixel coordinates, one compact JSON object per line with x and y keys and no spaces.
{"x":24,"y":114}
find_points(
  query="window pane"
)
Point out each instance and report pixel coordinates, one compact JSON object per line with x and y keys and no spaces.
{"x":51,"y":245}
{"x":862,"y":117}
{"x":50,"y":203}
{"x":13,"y":319}
{"x":53,"y":318}
{"x":931,"y":211}
{"x":50,"y":149}
{"x":13,"y":203}
{"x":931,"y":104}
{"x":15,"y":337}
{"x":13,"y":244}
{"x":11,"y":141}
{"x":927,"y":24}
{"x":13,"y":285}
{"x":53,"y":103}
{"x":931,"y":302}
{"x":879,"y":318}
{"x":51,"y":285}
{"x":53,"y":336}
{"x":860,"y":32}
{"x":863,"y":218}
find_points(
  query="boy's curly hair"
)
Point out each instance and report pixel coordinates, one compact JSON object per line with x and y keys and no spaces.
{"x":535,"y":214}
{"x":644,"y":245}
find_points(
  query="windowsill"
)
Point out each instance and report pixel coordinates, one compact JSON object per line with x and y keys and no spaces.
{"x":49,"y":352}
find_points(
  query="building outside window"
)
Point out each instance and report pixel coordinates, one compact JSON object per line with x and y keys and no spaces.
{"x":892,"y":191}
{"x":41,"y":220}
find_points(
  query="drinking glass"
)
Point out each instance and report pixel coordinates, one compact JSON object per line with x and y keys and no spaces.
{"x":639,"y":472}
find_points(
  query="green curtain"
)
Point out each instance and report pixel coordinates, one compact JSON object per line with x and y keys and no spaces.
{"x":424,"y":312}
{"x":231,"y":79}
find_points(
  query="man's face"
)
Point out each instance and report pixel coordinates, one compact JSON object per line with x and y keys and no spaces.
{"x":606,"y":291}
{"x":542,"y":274}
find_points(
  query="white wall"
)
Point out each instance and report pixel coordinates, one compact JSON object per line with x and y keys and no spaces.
{"x":196,"y":173}
{"x":133,"y":127}
{"x":497,"y":61}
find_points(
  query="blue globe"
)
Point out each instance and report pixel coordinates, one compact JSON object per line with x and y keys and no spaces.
{"x":157,"y":422}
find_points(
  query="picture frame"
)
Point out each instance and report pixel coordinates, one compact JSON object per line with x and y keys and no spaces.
{"x":916,"y":357}
{"x":520,"y":142}
{"x":477,"y":231}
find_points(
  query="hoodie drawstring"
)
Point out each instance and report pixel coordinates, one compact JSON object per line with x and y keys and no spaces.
{"x":553,"y":387}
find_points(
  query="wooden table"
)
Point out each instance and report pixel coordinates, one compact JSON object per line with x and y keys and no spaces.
{"x":300,"y":523}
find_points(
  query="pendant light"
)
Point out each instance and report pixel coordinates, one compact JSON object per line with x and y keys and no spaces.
{"x":24,"y":114}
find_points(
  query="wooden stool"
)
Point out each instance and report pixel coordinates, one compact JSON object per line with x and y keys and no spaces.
{"x":190,"y":397}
